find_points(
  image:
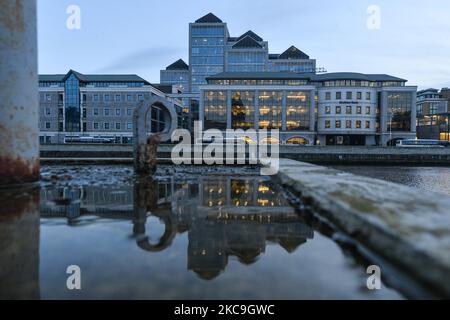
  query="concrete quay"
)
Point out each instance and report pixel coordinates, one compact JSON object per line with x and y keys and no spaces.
{"x":317,"y":155}
{"x":407,"y":227}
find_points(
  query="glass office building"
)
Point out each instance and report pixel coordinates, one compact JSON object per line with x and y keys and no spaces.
{"x":433,"y":114}
{"x":212,"y":50}
{"x":176,"y":74}
{"x":75,"y":107}
{"x":208,"y":36}
{"x":309,"y":109}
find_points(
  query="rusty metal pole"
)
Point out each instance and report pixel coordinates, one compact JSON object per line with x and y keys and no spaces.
{"x":19,"y":132}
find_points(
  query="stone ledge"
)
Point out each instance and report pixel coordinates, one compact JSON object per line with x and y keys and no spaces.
{"x":409,"y":227}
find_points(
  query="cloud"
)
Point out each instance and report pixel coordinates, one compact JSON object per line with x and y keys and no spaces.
{"x":144,"y":59}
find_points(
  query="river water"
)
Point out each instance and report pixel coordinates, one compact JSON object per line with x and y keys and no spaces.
{"x":436,"y":179}
{"x":212,"y":234}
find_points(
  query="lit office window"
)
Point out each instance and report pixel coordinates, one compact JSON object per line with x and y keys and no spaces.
{"x":270,"y":106}
{"x":338,"y":124}
{"x":358,"y":124}
{"x":399,"y":111}
{"x":327,"y":124}
{"x":338,"y":110}
{"x":243,"y":109}
{"x":215,"y":105}
{"x":297,"y":110}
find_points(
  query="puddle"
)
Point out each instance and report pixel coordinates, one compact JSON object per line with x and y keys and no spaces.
{"x":220,"y":233}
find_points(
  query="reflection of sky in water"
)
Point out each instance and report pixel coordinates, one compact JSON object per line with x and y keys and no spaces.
{"x":210,"y":237}
{"x":435,"y":179}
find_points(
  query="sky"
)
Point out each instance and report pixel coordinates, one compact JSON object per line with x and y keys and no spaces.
{"x":408,"y":39}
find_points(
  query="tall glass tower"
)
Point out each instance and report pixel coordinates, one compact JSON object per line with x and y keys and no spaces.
{"x":207,"y":41}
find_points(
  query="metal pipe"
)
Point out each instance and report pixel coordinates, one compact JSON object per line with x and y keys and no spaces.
{"x":19,"y":132}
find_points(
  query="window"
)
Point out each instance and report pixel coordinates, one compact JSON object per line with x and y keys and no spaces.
{"x":140,"y":97}
{"x":367,"y":110}
{"x":348,"y":124}
{"x":84,"y":126}
{"x":106,"y":97}
{"x":118,"y":112}
{"x":106,"y":112}
{"x":60,"y":127}
{"x":47,"y":125}
{"x":327,"y":95}
{"x":368,"y":96}
{"x":84,"y":113}
{"x":338,"y":95}
{"x":243,"y":110}
{"x":338,"y":124}
{"x":349,"y":95}
{"x":129,"y":112}
{"x":118,"y":126}
{"x":327,"y":124}
{"x":106,"y":126}
{"x":216,"y":110}
{"x":338,"y":110}
{"x":270,"y":106}
{"x":48,"y":111}
{"x":358,"y":124}
{"x":129,"y":126}
{"x":327,"y":110}
{"x":359,"y":95}
{"x":95,"y":125}
{"x":367,"y":124}
{"x":48,"y":97}
{"x":129,"y":97}
{"x":95,"y":97}
{"x":358,"y":110}
{"x":84,"y":97}
{"x":348,"y":110}
{"x":95,"y":112}
{"x":118,"y":98}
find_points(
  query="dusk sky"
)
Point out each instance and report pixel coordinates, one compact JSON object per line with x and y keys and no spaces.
{"x":144,"y":36}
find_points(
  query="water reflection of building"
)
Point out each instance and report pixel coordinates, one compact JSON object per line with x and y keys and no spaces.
{"x":224,"y":216}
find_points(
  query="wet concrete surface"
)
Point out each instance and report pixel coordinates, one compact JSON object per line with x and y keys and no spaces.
{"x":436,"y":179}
{"x":191,"y":233}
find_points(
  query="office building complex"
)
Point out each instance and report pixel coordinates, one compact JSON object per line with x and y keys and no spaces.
{"x":75,"y":106}
{"x":308,"y":109}
{"x":433,"y":111}
{"x":212,"y":50}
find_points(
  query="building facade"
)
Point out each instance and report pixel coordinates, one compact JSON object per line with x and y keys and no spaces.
{"x":309,"y":109}
{"x":433,"y":112}
{"x":75,"y":105}
{"x":176,"y":74}
{"x":212,"y":50}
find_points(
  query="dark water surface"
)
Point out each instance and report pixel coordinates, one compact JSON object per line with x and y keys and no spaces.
{"x":436,"y":179}
{"x":219,"y":234}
